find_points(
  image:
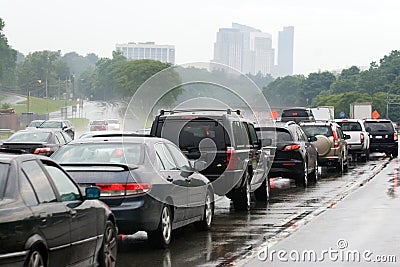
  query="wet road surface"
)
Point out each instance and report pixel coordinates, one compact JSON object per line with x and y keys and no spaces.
{"x":361,"y":230}
{"x":237,"y":235}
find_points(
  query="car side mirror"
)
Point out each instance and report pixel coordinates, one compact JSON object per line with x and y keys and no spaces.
{"x":200,"y":165}
{"x":186,"y":171}
{"x":312,"y":139}
{"x":92,"y":192}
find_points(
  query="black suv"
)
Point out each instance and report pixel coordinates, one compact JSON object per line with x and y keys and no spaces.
{"x":228,"y":146}
{"x":383,"y":137}
{"x":298,"y":114}
{"x":295,"y":157}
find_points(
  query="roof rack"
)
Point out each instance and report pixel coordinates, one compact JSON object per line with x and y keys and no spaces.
{"x":228,"y":111}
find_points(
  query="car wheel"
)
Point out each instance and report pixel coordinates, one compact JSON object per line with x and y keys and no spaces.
{"x":340,"y":166}
{"x":395,"y":153}
{"x":241,"y":200}
{"x":262,"y":193}
{"x":302,"y":179}
{"x":313,"y":177}
{"x":208,"y":214}
{"x":35,"y":258}
{"x":161,"y":237}
{"x":108,"y":251}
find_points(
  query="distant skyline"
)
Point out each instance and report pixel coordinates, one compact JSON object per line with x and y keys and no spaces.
{"x":329,"y":35}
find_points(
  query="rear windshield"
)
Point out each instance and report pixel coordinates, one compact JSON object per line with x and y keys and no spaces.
{"x":313,"y":130}
{"x":29,"y":137}
{"x":379,"y":126}
{"x":295,"y":113}
{"x":99,"y":122}
{"x":51,"y":124}
{"x":281,"y":135}
{"x":113,"y":121}
{"x":3,"y":178}
{"x":350,"y":126}
{"x":188,"y":134}
{"x":101,"y":153}
{"x":35,"y":123}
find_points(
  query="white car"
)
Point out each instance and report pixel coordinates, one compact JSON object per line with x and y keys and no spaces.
{"x":358,"y":143}
{"x":113,"y":125}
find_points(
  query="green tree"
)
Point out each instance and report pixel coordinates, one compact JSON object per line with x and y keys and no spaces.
{"x":8,"y":57}
{"x":285,"y":91}
{"x":40,"y":67}
{"x":315,"y":83}
{"x":347,"y":80}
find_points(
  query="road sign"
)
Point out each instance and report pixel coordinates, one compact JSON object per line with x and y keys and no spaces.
{"x":375,"y":114}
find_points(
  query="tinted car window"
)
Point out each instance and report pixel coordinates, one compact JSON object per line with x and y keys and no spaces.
{"x":240,"y":133}
{"x":66,"y":137}
{"x":295,"y":113}
{"x":67,"y":189}
{"x":191,"y":133}
{"x":379,"y":126}
{"x":317,"y":130}
{"x":3,"y":178}
{"x":166,"y":160}
{"x":350,"y":126}
{"x":27,"y":193}
{"x":39,"y":181}
{"x":181,"y":160}
{"x":252,"y":133}
{"x":29,"y":137}
{"x":60,"y":138}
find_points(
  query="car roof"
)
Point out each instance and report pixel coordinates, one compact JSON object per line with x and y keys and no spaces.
{"x":7,"y":155}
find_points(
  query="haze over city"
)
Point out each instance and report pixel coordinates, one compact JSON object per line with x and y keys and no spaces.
{"x":329,"y":35}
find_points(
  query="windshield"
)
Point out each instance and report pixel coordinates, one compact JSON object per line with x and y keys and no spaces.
{"x":350,"y":126}
{"x":29,"y":137}
{"x":113,"y":121}
{"x":51,"y":124}
{"x":3,"y":178}
{"x":281,"y":135}
{"x":101,"y":153}
{"x":99,"y":122}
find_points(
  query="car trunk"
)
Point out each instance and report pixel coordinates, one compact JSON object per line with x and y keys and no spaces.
{"x":28,"y":147}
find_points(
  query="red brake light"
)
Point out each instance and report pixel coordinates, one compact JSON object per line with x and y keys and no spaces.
{"x":362,"y":137}
{"x":42,"y":150}
{"x":395,"y":136}
{"x":291,"y":147}
{"x":335,"y":139}
{"x":231,"y":158}
{"x":114,"y":190}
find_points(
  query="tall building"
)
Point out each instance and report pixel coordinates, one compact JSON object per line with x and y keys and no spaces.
{"x":285,"y":51}
{"x":228,"y":49}
{"x":244,"y":48}
{"x":148,"y":50}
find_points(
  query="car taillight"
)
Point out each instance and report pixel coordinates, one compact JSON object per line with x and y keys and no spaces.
{"x":231,"y":158}
{"x":362,"y":137}
{"x":42,"y":150}
{"x":114,"y":190}
{"x":335,"y":139}
{"x":395,"y":136}
{"x":291,"y":147}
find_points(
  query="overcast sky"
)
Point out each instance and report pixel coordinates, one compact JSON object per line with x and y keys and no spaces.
{"x":329,"y":35}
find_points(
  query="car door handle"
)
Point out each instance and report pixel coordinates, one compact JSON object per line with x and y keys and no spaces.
{"x":43,"y":217}
{"x":169,"y":178}
{"x":73,"y":213}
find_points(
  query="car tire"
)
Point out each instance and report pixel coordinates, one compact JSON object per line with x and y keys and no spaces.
{"x":395,"y":153}
{"x":208,"y":214}
{"x":35,"y":258}
{"x":262,"y":193}
{"x":302,"y":179}
{"x":108,"y":250}
{"x":161,"y":238}
{"x":365,"y":158}
{"x":314,"y":176}
{"x":340,"y":166}
{"x":241,"y":200}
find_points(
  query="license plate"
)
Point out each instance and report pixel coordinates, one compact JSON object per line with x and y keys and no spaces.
{"x":378,"y":137}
